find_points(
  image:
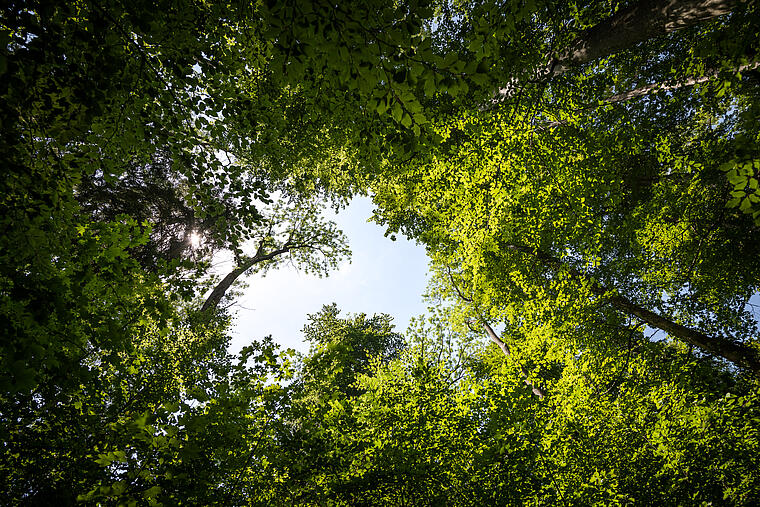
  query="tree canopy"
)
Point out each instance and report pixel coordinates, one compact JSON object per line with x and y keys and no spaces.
{"x":582,"y":175}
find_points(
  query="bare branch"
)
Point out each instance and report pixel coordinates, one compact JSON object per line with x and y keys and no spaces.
{"x":540,"y":393}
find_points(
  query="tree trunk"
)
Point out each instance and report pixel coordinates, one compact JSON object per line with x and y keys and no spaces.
{"x":626,"y":28}
{"x":221,"y":289}
{"x":642,"y":21}
{"x":738,"y":354}
{"x":540,"y":393}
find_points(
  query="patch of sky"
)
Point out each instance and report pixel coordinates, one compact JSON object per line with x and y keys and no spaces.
{"x":383,"y":276}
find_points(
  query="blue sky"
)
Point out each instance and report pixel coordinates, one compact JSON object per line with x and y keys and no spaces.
{"x":384,"y":277}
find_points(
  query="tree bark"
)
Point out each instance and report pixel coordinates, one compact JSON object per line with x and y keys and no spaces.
{"x":727,"y":348}
{"x":642,"y":21}
{"x":540,"y":393}
{"x":222,"y":287}
{"x":637,"y":23}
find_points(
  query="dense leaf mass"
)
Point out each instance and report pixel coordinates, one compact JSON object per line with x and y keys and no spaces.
{"x":583,"y":176}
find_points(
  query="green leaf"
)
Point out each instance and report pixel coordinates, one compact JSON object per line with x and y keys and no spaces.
{"x":397,"y":112}
{"x":430,"y":86}
{"x":450,"y":59}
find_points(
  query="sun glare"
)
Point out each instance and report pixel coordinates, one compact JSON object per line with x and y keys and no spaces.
{"x":195,"y":239}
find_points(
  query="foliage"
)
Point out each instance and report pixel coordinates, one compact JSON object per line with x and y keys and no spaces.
{"x":168,"y":422}
{"x":426,"y":430}
{"x":343,"y":349}
{"x":594,"y":200}
{"x":561,"y":208}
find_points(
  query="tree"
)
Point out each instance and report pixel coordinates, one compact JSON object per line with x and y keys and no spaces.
{"x":634,"y":24}
{"x":105,"y":106}
{"x":450,"y":420}
{"x":213,"y":108}
{"x":343,"y":349}
{"x":612,"y":193}
{"x":155,"y":194}
{"x":316,"y":438}
{"x":496,"y":223}
{"x":296,"y":233}
{"x":608,"y":206}
{"x":173,"y":419}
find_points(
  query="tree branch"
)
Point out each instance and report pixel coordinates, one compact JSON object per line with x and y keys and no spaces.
{"x":727,"y":348}
{"x":222,"y":287}
{"x":540,"y":393}
{"x":637,"y":23}
{"x":658,"y":87}
{"x":453,"y":284}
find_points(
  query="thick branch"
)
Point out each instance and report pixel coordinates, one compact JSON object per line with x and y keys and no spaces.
{"x":498,"y":341}
{"x":637,"y":23}
{"x":453,"y":284}
{"x":665,"y":87}
{"x":642,"y":21}
{"x":222,"y":287}
{"x":726,"y":348}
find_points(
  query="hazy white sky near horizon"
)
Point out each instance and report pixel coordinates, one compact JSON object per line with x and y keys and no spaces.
{"x":384,"y":277}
